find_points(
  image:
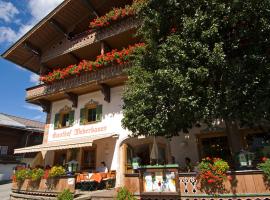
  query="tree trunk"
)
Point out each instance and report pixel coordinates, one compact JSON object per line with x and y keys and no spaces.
{"x":233,"y":135}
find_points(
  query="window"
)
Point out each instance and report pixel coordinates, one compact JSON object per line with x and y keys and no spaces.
{"x":91,"y":113}
{"x":64,"y":119}
{"x":91,"y":116}
{"x":3,"y":150}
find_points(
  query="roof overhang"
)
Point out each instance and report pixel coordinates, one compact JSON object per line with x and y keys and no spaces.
{"x":71,"y":16}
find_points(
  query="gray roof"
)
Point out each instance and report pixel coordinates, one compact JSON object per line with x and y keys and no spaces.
{"x":20,"y":123}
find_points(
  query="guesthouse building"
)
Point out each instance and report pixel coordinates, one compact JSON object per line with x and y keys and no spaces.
{"x":81,"y":50}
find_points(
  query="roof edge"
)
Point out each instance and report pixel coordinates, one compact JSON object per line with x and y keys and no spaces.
{"x":34,"y":28}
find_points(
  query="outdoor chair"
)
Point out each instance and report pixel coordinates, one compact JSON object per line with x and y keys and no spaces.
{"x":109,"y":181}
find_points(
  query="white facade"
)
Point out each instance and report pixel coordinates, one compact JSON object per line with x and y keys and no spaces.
{"x":108,"y":149}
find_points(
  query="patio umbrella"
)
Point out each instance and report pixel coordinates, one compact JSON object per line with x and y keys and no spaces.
{"x":154,"y":151}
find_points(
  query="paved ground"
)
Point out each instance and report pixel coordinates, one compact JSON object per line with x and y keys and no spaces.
{"x":5,"y":191}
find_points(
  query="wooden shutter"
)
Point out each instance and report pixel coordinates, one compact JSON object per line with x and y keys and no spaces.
{"x":83,"y":116}
{"x":99,"y":113}
{"x":56,"y":120}
{"x":71,"y":118}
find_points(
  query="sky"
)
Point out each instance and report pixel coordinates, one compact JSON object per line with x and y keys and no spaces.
{"x":16,"y":18}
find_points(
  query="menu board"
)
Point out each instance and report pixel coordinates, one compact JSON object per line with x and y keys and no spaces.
{"x":159,"y":182}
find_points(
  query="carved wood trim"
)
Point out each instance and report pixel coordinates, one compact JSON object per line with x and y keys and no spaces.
{"x":84,"y":79}
{"x":106,"y":91}
{"x":46,"y":105}
{"x":73,"y":98}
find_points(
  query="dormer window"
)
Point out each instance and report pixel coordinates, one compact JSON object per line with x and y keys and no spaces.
{"x":91,"y":113}
{"x":64,"y":119}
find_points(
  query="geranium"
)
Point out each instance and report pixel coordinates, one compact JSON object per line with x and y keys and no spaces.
{"x":265,"y":167}
{"x":112,"y":57}
{"x":116,"y":14}
{"x":212,"y":174}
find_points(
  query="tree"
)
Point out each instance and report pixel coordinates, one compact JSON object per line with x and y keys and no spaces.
{"x":204,"y":60}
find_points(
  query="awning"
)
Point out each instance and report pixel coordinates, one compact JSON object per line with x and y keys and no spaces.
{"x":68,"y":144}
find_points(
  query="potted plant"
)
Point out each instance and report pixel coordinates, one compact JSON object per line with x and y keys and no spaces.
{"x":212,"y":174}
{"x":265,"y":167}
{"x":21,"y":175}
{"x":54,"y":175}
{"x":36,"y":175}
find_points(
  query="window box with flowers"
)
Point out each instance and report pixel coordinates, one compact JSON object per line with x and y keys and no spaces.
{"x":212,"y":175}
{"x":117,"y":57}
{"x":117,"y":14}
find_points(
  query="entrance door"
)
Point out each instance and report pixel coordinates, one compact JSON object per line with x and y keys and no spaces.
{"x":88,"y":159}
{"x":215,"y":147}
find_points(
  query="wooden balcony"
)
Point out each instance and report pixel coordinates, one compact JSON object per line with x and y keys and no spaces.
{"x":88,"y":39}
{"x":89,"y":81}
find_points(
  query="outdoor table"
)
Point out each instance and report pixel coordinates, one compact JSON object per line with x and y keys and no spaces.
{"x":90,"y":181}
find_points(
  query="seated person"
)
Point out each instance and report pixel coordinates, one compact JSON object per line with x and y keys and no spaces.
{"x":103,"y":168}
{"x":188,"y":166}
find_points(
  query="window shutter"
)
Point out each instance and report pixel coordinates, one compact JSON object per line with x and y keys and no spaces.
{"x":83,"y":116}
{"x":99,"y":113}
{"x":71,"y":118}
{"x":56,"y":120}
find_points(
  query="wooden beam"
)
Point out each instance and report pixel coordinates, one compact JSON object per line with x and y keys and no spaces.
{"x":106,"y":91}
{"x":31,"y":48}
{"x":75,"y":57}
{"x":73,"y":98}
{"x":58,"y":27}
{"x":46,"y":105}
{"x":44,"y":69}
{"x":90,"y":7}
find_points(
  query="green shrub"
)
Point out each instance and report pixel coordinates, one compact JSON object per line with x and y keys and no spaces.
{"x":265,"y":167}
{"x":37,"y":174}
{"x":57,"y":171}
{"x":124,"y":194}
{"x":23,"y":174}
{"x":65,"y":195}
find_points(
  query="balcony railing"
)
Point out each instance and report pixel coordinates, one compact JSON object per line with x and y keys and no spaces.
{"x":85,"y":39}
{"x":75,"y":82}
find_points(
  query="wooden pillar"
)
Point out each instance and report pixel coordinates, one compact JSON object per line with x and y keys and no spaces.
{"x":123,"y":161}
{"x":79,"y":158}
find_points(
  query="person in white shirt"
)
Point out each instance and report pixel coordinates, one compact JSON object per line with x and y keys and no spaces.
{"x":102,"y":168}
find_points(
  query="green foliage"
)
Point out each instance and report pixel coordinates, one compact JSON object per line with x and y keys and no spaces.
{"x":57,"y":171}
{"x":265,"y":167}
{"x":65,"y":195}
{"x":125,"y":194}
{"x":37,"y":174}
{"x":22,"y":174}
{"x":204,"y":60}
{"x":212,"y":174}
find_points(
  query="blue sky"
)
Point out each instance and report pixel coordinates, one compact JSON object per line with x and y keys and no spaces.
{"x":16,"y":18}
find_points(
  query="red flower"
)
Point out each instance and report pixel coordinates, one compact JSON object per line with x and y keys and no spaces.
{"x":264,"y":159}
{"x":211,"y":181}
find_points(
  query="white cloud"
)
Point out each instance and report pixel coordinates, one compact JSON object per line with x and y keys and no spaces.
{"x":34,"y":78}
{"x":40,"y":8}
{"x":37,"y":9}
{"x":39,"y":118}
{"x":31,"y":107}
{"x":7,"y":11}
{"x":7,"y":34}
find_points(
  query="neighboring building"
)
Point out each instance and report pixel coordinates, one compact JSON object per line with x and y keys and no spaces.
{"x":84,"y":101}
{"x":17,"y":132}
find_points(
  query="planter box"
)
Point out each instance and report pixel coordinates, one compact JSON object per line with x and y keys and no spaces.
{"x":244,"y":185}
{"x":49,"y":186}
